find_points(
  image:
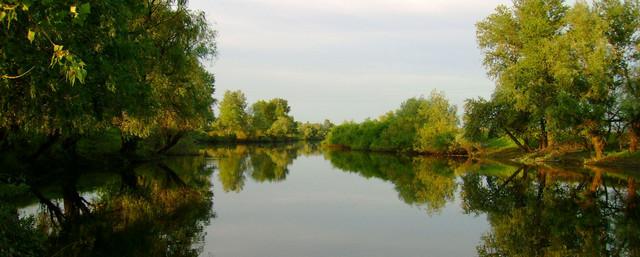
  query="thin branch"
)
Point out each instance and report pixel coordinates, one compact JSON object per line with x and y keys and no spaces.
{"x":16,"y":76}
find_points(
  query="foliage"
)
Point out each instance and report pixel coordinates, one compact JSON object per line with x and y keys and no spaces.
{"x":439,"y":132}
{"x":551,"y":213}
{"x":233,"y":118}
{"x":315,"y":131}
{"x":424,"y":182}
{"x":19,"y":236}
{"x":265,"y":121}
{"x":262,"y":164}
{"x":75,"y":70}
{"x":426,"y":125}
{"x":564,"y":74}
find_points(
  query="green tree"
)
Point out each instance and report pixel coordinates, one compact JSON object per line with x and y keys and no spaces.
{"x":487,"y":119}
{"x":583,"y":71}
{"x":519,"y":53}
{"x":94,"y":66}
{"x":283,"y":127}
{"x":181,"y":85}
{"x":623,"y":20}
{"x":233,"y":118}
{"x":267,"y":114}
{"x":438,"y":133}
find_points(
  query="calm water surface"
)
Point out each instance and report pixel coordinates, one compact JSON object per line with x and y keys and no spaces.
{"x":295,"y":200}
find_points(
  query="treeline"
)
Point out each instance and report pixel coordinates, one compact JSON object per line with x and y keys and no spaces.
{"x":263,"y":121}
{"x":423,"y":125}
{"x":567,"y":77}
{"x":127,"y":70}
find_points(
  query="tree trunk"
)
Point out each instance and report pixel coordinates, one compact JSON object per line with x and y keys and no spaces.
{"x":74,"y":204}
{"x":598,"y":145}
{"x":3,"y":138}
{"x":51,"y":140}
{"x":69,"y":145}
{"x":634,"y":135}
{"x":544,"y":140}
{"x":53,"y":209}
{"x":631,"y":188}
{"x":172,"y":176}
{"x":596,"y":182}
{"x":171,"y":142}
{"x":516,"y":141}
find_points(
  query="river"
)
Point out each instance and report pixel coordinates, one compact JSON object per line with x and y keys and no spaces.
{"x":300,"y":200}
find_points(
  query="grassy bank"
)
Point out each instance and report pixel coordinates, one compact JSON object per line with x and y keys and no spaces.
{"x":561,"y":156}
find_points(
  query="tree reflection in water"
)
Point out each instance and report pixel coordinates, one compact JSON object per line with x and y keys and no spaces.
{"x":156,"y":209}
{"x":532,"y":211}
{"x":425,"y":182}
{"x":262,"y":164}
{"x":550,"y":212}
{"x":160,"y":209}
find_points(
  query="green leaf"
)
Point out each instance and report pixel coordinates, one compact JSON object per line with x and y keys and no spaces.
{"x":31,"y":35}
{"x":85,"y":9}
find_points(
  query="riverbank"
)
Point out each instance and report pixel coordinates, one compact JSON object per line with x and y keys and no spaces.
{"x":563,"y":156}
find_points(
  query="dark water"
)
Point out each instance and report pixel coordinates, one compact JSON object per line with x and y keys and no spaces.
{"x":295,"y":200}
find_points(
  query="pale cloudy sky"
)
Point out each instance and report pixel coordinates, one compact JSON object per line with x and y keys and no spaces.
{"x":348,"y":60}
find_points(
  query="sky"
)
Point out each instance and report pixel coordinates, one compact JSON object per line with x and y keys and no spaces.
{"x":348,"y":60}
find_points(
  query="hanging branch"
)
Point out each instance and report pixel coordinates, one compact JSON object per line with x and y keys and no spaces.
{"x":5,"y":76}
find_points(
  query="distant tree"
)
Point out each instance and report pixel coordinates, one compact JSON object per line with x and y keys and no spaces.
{"x":263,"y":116}
{"x":438,"y":133}
{"x":233,"y":117}
{"x":266,"y":113}
{"x":283,"y":127}
{"x":427,"y":125}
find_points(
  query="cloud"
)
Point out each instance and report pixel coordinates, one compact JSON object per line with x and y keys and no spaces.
{"x":348,"y":59}
{"x":358,"y":7}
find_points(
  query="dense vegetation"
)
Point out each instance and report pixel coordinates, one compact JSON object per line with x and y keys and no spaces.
{"x":73,"y":71}
{"x":425,"y":125}
{"x":156,"y":209}
{"x":567,"y":79}
{"x":565,"y":75}
{"x":81,"y":79}
{"x":263,"y":121}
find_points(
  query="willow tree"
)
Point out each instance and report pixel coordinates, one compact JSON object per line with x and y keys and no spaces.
{"x":497,"y":117}
{"x":519,"y":50}
{"x":74,"y":69}
{"x":583,"y":71}
{"x":623,"y":20}
{"x":55,"y":60}
{"x":180,"y":83}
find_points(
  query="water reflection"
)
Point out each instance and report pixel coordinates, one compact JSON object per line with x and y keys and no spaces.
{"x":262,"y":164}
{"x":162,"y":208}
{"x":155,"y":209}
{"x":551,"y":212}
{"x":424,"y":182}
{"x":533,"y":211}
